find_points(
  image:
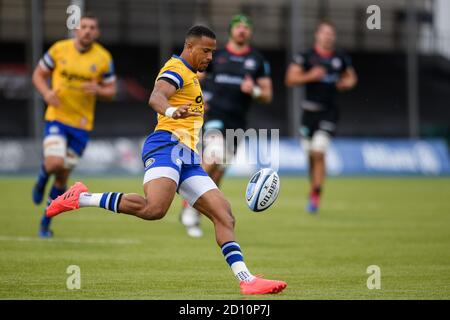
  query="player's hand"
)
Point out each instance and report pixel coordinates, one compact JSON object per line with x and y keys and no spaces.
{"x":51,"y":98}
{"x":344,"y":84}
{"x":91,"y":87}
{"x":183,"y":112}
{"x":247,"y":84}
{"x":317,"y":73}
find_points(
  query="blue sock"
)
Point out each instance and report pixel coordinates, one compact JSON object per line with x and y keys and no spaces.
{"x":42,"y":177}
{"x":110,"y":201}
{"x":233,"y":255}
{"x":106,"y":200}
{"x":54,"y":193}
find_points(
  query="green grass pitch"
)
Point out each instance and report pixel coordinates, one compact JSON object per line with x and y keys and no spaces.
{"x":401,"y":225}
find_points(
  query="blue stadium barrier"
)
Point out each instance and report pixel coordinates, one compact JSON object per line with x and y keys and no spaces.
{"x":357,"y":157}
{"x":346,"y":157}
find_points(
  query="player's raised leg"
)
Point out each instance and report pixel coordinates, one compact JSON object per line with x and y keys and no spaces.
{"x":201,"y":192}
{"x":213,"y":163}
{"x":159,"y":194}
{"x":189,"y":216}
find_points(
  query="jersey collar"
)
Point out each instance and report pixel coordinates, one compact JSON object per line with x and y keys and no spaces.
{"x":322,"y":53}
{"x":82,"y":52}
{"x":185,"y":63}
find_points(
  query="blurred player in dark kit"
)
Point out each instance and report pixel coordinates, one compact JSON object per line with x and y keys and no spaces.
{"x":323,"y":71}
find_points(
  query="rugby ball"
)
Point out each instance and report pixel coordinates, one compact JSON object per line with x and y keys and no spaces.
{"x":262,"y":189}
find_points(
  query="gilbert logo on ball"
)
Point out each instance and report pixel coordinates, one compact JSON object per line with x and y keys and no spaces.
{"x":262,"y":189}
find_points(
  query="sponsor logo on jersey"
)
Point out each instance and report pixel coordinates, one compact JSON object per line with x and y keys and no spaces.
{"x":336,"y":63}
{"x":199,"y":99}
{"x":74,"y":76}
{"x":227,"y":79}
{"x":250,"y":64}
{"x":149,"y":162}
{"x":237,"y":58}
{"x":93,"y":68}
{"x":53,"y":129}
{"x":198,"y":109}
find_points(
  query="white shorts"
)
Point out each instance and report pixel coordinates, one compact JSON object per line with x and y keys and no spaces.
{"x":191,"y":188}
{"x":56,"y":146}
{"x":319,"y":142}
{"x":164,"y":158}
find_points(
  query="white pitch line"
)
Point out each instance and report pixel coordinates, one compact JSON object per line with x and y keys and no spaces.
{"x":70,"y":240}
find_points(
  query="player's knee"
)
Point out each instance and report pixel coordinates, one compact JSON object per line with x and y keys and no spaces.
{"x":54,"y":164}
{"x":153,"y":212}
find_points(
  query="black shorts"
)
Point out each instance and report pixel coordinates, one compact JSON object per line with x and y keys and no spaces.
{"x":313,"y":121}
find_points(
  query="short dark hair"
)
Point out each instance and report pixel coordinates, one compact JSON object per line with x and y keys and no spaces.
{"x":200,"y":31}
{"x":326,"y":22}
{"x":89,"y":15}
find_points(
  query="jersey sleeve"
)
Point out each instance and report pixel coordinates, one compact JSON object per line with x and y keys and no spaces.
{"x":172,"y":76}
{"x":300,"y":59}
{"x":347,"y":61}
{"x":48,"y":60}
{"x":263,"y":70}
{"x":108,"y":75}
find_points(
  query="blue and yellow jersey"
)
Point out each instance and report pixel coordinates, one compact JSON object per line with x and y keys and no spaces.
{"x":70,"y":70}
{"x":180,"y":74}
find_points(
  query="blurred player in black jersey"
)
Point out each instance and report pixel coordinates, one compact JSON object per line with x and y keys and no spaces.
{"x":323,"y":71}
{"x":237,"y":75}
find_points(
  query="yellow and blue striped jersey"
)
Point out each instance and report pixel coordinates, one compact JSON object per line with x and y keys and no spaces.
{"x":180,"y":74}
{"x":70,"y":70}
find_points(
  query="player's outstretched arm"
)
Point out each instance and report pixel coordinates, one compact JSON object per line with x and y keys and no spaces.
{"x":159,"y":101}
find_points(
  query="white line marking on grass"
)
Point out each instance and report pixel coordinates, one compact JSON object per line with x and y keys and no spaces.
{"x":70,"y":240}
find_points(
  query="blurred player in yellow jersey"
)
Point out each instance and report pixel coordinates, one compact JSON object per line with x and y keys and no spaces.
{"x":172,"y":163}
{"x":80,"y":70}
